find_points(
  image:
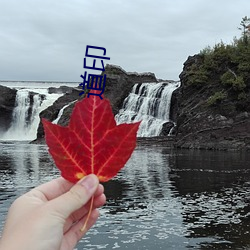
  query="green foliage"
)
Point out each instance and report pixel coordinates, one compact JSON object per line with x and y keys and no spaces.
{"x":242,"y":96}
{"x":239,"y":84}
{"x":197,"y":75}
{"x":206,"y":51}
{"x":216,"y":98}
{"x":222,"y":53}
{"x":210,"y":65}
{"x":228,"y":78}
{"x":232,"y":80}
{"x":226,"y":67}
{"x":244,"y":67}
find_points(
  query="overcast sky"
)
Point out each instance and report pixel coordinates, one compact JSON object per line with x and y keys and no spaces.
{"x":46,"y":39}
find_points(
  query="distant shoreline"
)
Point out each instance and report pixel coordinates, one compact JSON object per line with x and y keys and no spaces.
{"x":38,"y":81}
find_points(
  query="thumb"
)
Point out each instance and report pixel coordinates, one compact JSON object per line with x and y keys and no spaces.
{"x":76,"y":197}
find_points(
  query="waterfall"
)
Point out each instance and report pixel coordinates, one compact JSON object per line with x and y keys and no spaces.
{"x":25,"y":116}
{"x":149,"y":103}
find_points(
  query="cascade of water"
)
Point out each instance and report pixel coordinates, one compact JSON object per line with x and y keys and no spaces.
{"x":21,"y":111}
{"x":25,"y":117}
{"x":37,"y":100}
{"x":61,"y":112}
{"x":149,"y":103}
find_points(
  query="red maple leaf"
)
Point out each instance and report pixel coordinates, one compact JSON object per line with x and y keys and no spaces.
{"x":92,"y":142}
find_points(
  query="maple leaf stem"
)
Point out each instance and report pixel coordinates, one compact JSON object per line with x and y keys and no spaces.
{"x":84,"y":228}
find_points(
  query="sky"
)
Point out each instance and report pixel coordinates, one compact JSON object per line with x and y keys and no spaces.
{"x":46,"y":40}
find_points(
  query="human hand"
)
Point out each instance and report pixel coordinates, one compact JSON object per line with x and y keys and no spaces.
{"x":50,"y":216}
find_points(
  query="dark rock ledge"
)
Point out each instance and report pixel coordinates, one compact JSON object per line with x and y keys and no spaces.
{"x":7,"y":104}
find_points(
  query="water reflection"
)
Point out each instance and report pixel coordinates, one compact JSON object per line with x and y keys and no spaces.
{"x":160,"y":200}
{"x":26,"y":164}
{"x":142,"y":209}
{"x":22,"y":167}
{"x":214,"y":187}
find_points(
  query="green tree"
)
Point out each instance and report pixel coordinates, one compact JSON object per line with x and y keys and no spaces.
{"x":245,"y":28}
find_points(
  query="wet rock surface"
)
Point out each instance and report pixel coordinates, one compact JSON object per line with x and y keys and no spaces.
{"x":7,"y":105}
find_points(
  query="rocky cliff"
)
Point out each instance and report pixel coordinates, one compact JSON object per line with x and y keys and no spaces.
{"x":209,"y":114}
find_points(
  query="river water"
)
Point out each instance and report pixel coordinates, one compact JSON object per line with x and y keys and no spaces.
{"x":162,"y":199}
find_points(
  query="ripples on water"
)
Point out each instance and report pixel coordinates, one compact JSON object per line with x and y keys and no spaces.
{"x":160,"y":200}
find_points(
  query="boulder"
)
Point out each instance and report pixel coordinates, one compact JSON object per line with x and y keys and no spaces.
{"x":7,"y":104}
{"x":166,"y":128}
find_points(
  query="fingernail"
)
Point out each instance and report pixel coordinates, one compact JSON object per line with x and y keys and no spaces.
{"x":89,"y":182}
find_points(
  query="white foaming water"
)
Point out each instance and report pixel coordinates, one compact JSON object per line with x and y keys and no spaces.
{"x":149,"y":103}
{"x":25,"y":117}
